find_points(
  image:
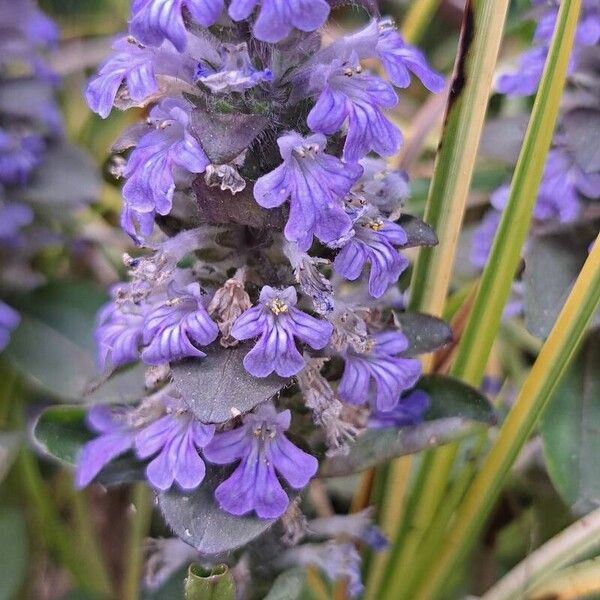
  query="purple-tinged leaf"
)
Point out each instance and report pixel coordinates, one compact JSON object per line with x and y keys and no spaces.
{"x":198,"y":521}
{"x":218,"y":387}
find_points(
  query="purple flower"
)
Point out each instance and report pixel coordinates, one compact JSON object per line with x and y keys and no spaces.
{"x":118,"y":334}
{"x":9,"y":319}
{"x":352,"y":95}
{"x":525,"y":81}
{"x":380,"y":39}
{"x":558,"y":196}
{"x":409,"y":411}
{"x":138,"y":67}
{"x":315,"y":182}
{"x":338,"y":561}
{"x":400,"y":58}
{"x":137,"y":224}
{"x":236,"y":73}
{"x":174,"y":439}
{"x":312,"y":282}
{"x":481,"y":243}
{"x":277,"y":18}
{"x":19,"y":156}
{"x":263,"y":449}
{"x":385,"y":189}
{"x":116,"y":437}
{"x":175,"y":327}
{"x":379,"y":375}
{"x":359,"y":526}
{"x":32,"y":23}
{"x":562,"y":182}
{"x":588,"y":29}
{"x":277,"y":322}
{"x":154,"y":164}
{"x":153,"y":21}
{"x":373,"y":243}
{"x":13,"y":216}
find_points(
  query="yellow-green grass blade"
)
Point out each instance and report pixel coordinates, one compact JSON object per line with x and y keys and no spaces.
{"x":479,"y":46}
{"x":496,"y":281}
{"x":542,"y":380}
{"x":480,"y":40}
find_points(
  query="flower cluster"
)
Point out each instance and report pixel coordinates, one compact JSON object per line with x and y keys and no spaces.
{"x":267,"y":224}
{"x":30,"y":124}
{"x":571,"y":177}
{"x":525,"y":80}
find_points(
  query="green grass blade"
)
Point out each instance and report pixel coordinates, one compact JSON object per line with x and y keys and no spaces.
{"x":481,"y":35}
{"x":496,"y":280}
{"x":542,"y":380}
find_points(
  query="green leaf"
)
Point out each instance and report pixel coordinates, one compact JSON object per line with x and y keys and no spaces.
{"x":201,"y":384}
{"x":454,"y":411}
{"x":551,"y":267}
{"x":570,"y":429}
{"x":216,"y":583}
{"x":288,"y":586}
{"x":198,"y":521}
{"x":379,"y":445}
{"x":452,"y":398}
{"x":13,"y":541}
{"x":54,"y":348}
{"x":424,"y":332}
{"x":60,"y":432}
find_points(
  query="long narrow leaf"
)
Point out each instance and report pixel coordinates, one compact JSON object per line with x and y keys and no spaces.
{"x":481,"y":35}
{"x":480,"y":39}
{"x":496,"y":280}
{"x":542,"y":380}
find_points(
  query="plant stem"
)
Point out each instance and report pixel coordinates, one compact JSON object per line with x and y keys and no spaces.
{"x":479,"y":46}
{"x":139,"y":527}
{"x":537,"y":389}
{"x":567,"y":547}
{"x":434,"y":534}
{"x":423,"y":515}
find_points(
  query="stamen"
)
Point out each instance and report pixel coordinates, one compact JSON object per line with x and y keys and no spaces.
{"x":377,"y":225}
{"x":278,"y":307}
